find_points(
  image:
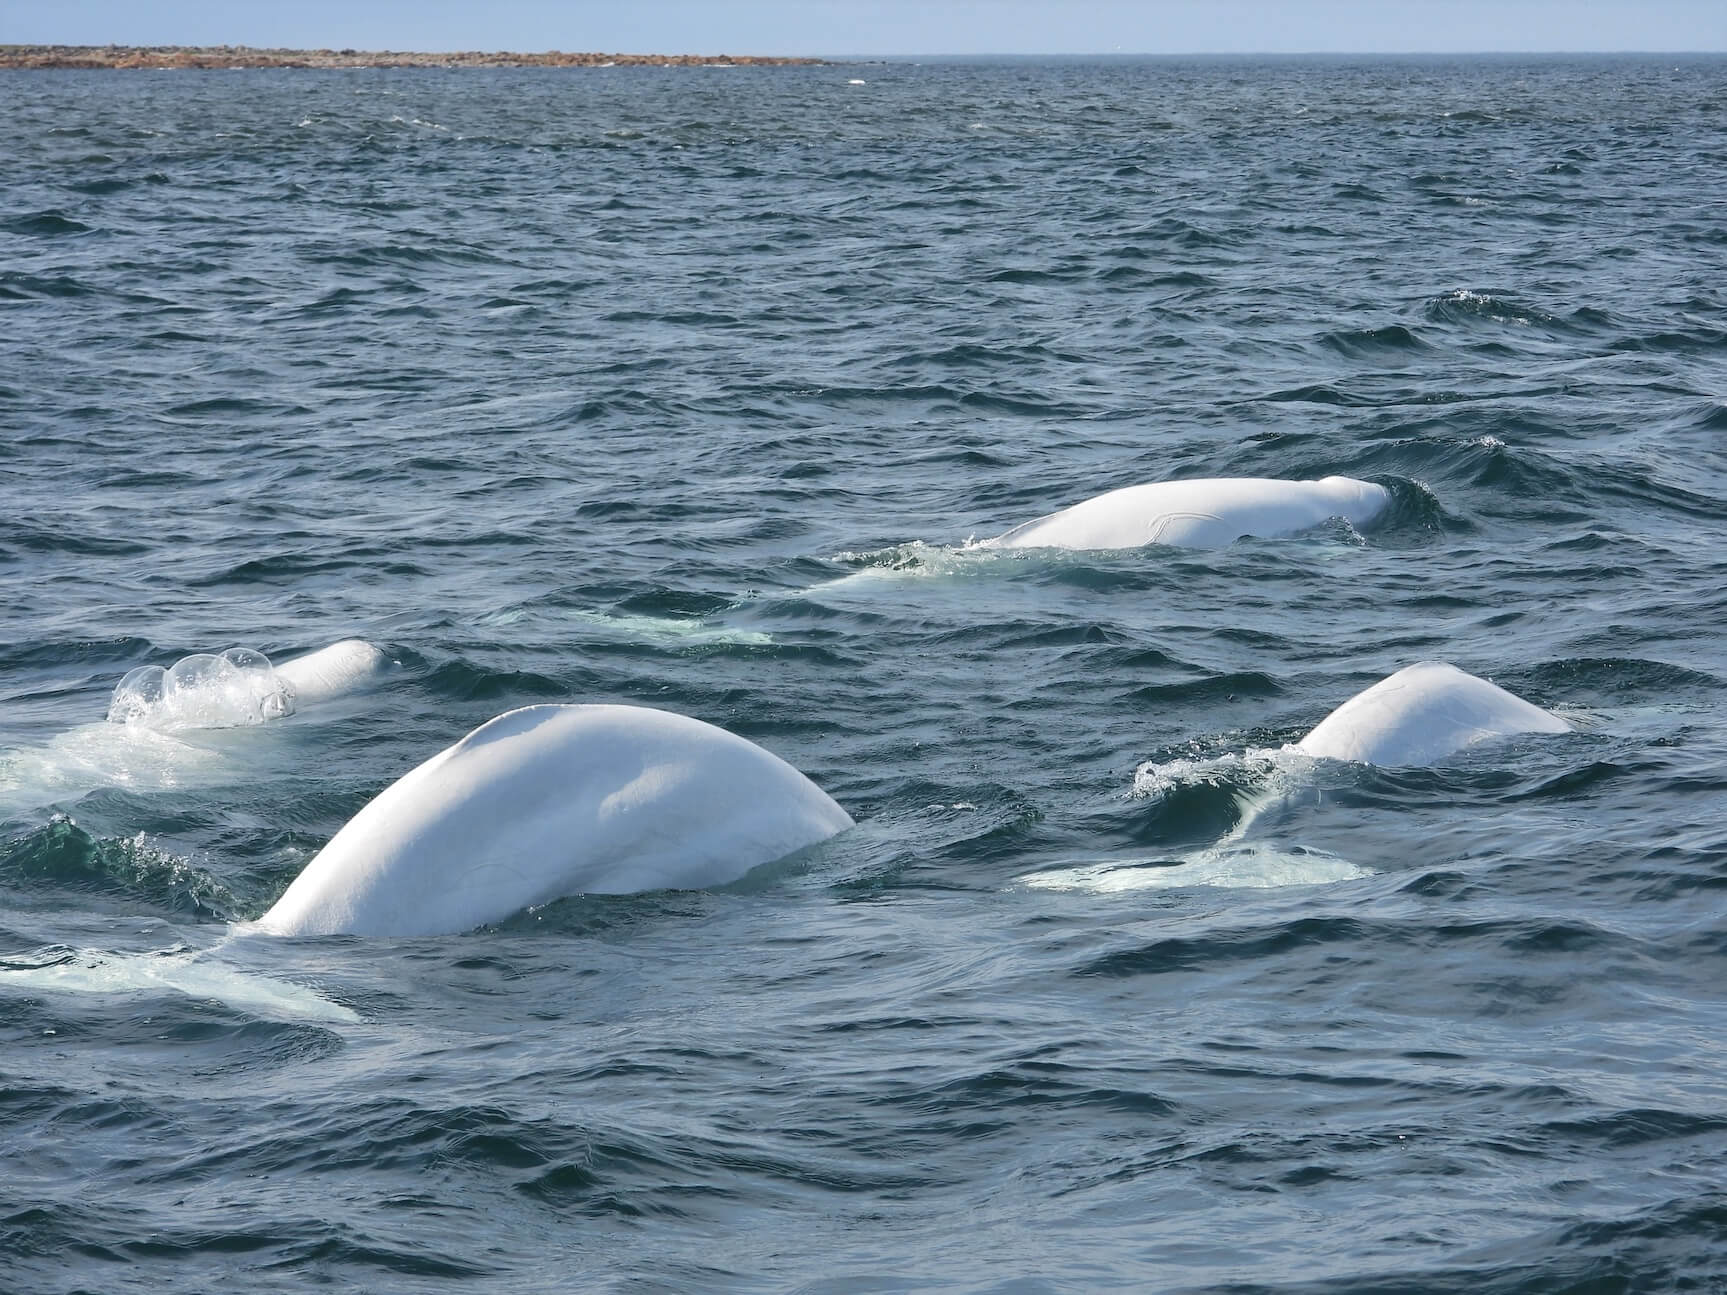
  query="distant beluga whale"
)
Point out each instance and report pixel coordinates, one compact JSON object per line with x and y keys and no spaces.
{"x":1419,"y":716}
{"x":1207,"y":513}
{"x":165,"y":724}
{"x":549,"y":801}
{"x":1422,"y":714}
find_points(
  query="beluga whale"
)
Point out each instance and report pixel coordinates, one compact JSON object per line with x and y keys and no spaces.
{"x":334,"y":671}
{"x":1208,"y":513}
{"x":536,"y":804}
{"x":1419,"y":716}
{"x":239,"y":686}
{"x":549,"y":801}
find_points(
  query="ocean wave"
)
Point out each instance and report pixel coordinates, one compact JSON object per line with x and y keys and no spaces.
{"x":60,"y":856}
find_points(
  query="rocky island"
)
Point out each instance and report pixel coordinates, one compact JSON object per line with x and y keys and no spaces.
{"x":233,"y":56}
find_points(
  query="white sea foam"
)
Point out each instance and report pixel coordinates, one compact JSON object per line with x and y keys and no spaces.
{"x":650,"y":627}
{"x":134,"y":757}
{"x":194,"y":974}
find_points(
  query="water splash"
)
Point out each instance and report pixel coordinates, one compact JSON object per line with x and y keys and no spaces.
{"x":1259,"y":780}
{"x":62,"y":856}
{"x":229,"y":689}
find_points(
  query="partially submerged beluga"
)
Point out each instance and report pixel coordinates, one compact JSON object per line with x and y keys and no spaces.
{"x":1419,"y":716}
{"x":1206,"y":513}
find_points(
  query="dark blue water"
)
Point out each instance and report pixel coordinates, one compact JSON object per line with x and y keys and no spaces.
{"x":685,"y":388}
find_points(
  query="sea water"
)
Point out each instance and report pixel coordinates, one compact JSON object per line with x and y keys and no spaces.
{"x":688,"y":388}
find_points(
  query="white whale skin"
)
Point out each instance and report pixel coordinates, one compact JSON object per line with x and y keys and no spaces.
{"x":334,"y":671}
{"x":1205,"y":514}
{"x":1422,"y":714}
{"x":549,"y":801}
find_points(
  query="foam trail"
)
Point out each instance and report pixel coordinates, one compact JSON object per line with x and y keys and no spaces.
{"x":1242,"y":867}
{"x":1271,"y":778}
{"x":129,"y":756}
{"x":920,"y":561}
{"x":666,"y":627}
{"x":661,"y":628}
{"x":95,"y":972}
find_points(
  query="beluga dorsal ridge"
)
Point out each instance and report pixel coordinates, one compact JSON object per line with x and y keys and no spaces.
{"x":1422,"y":714}
{"x":549,"y":801}
{"x":1206,"y":514}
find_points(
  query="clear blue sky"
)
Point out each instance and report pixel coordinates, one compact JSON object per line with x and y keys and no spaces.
{"x":870,"y":27}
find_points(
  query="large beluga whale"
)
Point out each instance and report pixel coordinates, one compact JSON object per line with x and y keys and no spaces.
{"x":1419,"y":716}
{"x":549,"y":801}
{"x":1422,"y":714}
{"x":538,"y":803}
{"x":1207,"y":513}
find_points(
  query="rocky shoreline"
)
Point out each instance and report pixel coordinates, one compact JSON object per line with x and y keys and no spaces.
{"x":233,"y":56}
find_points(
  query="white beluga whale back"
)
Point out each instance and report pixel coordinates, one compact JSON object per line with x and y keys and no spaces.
{"x":1422,"y":714}
{"x":1418,"y":716}
{"x":1208,"y":513}
{"x":332,"y":672}
{"x":549,"y":801}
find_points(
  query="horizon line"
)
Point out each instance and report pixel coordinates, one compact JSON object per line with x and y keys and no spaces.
{"x":862,"y":57}
{"x":1293,"y":53}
